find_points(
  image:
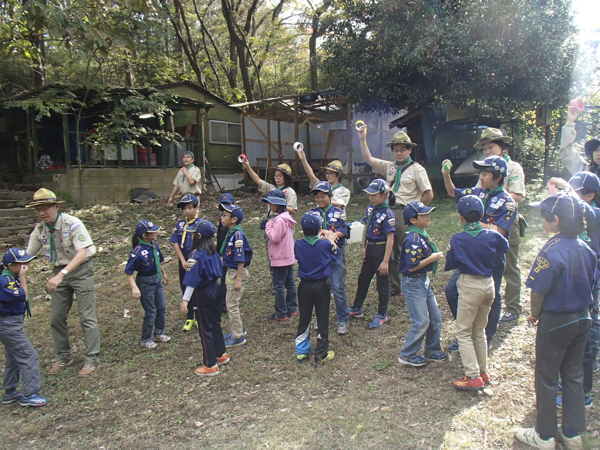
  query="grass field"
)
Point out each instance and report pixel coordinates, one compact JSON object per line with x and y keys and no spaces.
{"x":142,"y":398}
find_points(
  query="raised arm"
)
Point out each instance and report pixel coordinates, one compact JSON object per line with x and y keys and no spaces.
{"x":364,"y":149}
{"x":447,"y":180}
{"x":574,"y":162}
{"x":253,"y":174}
{"x":311,"y":175}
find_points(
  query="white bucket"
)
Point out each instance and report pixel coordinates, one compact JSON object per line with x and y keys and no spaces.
{"x":357,"y":232}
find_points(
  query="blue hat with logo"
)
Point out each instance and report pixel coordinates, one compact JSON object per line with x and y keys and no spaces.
{"x":585,"y":180}
{"x":311,"y":223}
{"x":497,"y":163}
{"x":414,"y":209}
{"x":186,"y":200}
{"x":235,"y":211}
{"x":322,"y":186}
{"x":469,"y":203}
{"x":562,"y":204}
{"x":275,"y":197}
{"x":378,"y":185}
{"x":15,"y":255}
{"x":145,"y":226}
{"x":226,"y":198}
{"x":203,"y":227}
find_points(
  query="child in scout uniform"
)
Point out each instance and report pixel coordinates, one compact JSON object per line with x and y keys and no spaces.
{"x":332,"y":220}
{"x":315,"y":258}
{"x":68,"y":246}
{"x":419,"y":256}
{"x":573,"y":160}
{"x":226,"y":199}
{"x":182,"y":243}
{"x":472,"y":254}
{"x":561,"y":281}
{"x":21,"y":358}
{"x":145,"y":259}
{"x":408,"y":181}
{"x":187,"y":180}
{"x":237,"y":254}
{"x":493,"y":142}
{"x":376,"y":250}
{"x":499,"y":214}
{"x":202,"y":290}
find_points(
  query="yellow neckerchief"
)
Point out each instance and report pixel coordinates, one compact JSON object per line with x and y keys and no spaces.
{"x":187,"y":222}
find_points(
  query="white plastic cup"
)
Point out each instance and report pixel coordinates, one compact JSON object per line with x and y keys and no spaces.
{"x":242,"y":159}
{"x":298,"y":147}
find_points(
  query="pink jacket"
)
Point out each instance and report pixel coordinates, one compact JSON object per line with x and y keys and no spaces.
{"x":280,"y":232}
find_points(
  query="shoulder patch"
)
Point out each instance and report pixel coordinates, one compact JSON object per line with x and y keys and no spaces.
{"x":239,"y":243}
{"x":75,"y":225}
{"x":542,"y":264}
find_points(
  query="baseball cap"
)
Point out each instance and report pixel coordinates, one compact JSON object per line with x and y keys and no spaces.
{"x":235,"y":211}
{"x":414,"y":209}
{"x":377,"y":185}
{"x":322,"y":186}
{"x":562,"y":204}
{"x":311,"y":223}
{"x":591,"y":146}
{"x":226,"y":198}
{"x":469,"y":203}
{"x":203,"y":227}
{"x":585,"y":180}
{"x":496,"y":163}
{"x":15,"y":255}
{"x":187,"y":199}
{"x":275,"y":197}
{"x":145,"y":226}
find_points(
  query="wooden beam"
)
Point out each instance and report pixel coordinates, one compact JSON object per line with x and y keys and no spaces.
{"x":261,"y":131}
{"x":316,"y":128}
{"x":349,"y":129}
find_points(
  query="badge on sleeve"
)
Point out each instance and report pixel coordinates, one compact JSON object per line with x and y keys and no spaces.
{"x":542,"y":264}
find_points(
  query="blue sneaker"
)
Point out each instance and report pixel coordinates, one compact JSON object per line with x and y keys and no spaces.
{"x":453,"y":347}
{"x":559,"y":389}
{"x":508,"y":317}
{"x":378,"y":321}
{"x":231,"y":342}
{"x":355,"y":312}
{"x":587,"y":401}
{"x":416,"y":361}
{"x":32,"y":400}
{"x":11,"y":398}
{"x":229,"y":335}
{"x":436,"y":357}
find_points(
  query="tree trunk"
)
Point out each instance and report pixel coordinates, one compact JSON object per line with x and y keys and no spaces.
{"x":312,"y":52}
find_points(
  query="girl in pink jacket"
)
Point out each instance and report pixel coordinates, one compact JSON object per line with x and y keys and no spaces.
{"x":280,"y":231}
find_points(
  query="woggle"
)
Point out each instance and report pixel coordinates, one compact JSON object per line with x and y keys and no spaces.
{"x":298,"y":147}
{"x":242,"y":159}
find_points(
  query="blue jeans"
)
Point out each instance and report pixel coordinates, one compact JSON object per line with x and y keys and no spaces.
{"x":283,"y":279}
{"x":154,"y":303}
{"x":336,"y":278}
{"x":425,"y":315}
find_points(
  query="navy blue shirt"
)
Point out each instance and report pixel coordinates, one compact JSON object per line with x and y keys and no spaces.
{"x":333,"y":221}
{"x":141,"y":260}
{"x":500,"y":208}
{"x":414,"y":249}
{"x":563,"y":272}
{"x":314,"y":260}
{"x":202,"y":269}
{"x":237,"y":250}
{"x":12,"y":297}
{"x":177,"y":236}
{"x":475,"y":255}
{"x":382,"y":223}
{"x":593,"y":232}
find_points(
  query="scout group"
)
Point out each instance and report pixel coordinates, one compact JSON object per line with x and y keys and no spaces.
{"x":395,"y":248}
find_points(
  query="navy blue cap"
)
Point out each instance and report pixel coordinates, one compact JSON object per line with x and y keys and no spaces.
{"x":469,"y":203}
{"x":496,"y":163}
{"x":187,"y":199}
{"x":275,"y":197}
{"x":145,"y":226}
{"x":15,"y":255}
{"x":227,"y":198}
{"x":235,"y":211}
{"x":322,"y":186}
{"x":562,"y":204}
{"x":311,"y":223}
{"x":203,"y":227}
{"x":414,"y":209}
{"x":585,"y":180}
{"x":377,"y":185}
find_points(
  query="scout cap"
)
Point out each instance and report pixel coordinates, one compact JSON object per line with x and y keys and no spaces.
{"x":469,"y":203}
{"x":311,"y":223}
{"x":15,"y":255}
{"x":496,"y":163}
{"x":322,"y":186}
{"x":145,"y":226}
{"x":585,"y":180}
{"x":186,"y":200}
{"x":275,"y":197}
{"x":562,"y":204}
{"x":491,"y":134}
{"x":43,"y":197}
{"x":188,"y":153}
{"x":376,"y":186}
{"x":401,"y":138}
{"x":414,"y":209}
{"x":226,"y":198}
{"x":283,"y":167}
{"x":591,"y":146}
{"x":235,"y":211}
{"x":334,"y":166}
{"x":203,"y":227}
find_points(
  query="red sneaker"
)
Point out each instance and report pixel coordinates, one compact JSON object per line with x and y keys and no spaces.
{"x":466,"y":384}
{"x":484,"y":377}
{"x":294,"y":314}
{"x":274,"y":318}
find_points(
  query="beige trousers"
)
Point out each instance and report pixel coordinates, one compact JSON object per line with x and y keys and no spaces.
{"x":232,"y":300}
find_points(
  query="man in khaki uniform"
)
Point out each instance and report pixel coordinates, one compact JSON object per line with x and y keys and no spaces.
{"x":187,"y":180}
{"x":66,"y":243}
{"x":409,"y":182}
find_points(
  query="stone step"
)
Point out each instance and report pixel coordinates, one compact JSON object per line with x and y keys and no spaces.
{"x":10,"y":231}
{"x":19,"y":240}
{"x":21,"y":212}
{"x":6,"y":194}
{"x":12,"y":221}
{"x":9,"y":203}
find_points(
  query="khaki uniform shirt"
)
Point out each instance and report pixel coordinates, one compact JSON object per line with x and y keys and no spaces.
{"x":183,"y":184}
{"x":290,"y":195}
{"x":514,"y":181}
{"x":413,"y":184}
{"x":70,"y":235}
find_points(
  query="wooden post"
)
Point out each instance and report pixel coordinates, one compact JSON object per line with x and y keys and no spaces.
{"x":297,"y":137}
{"x":29,"y":155}
{"x":349,"y":131}
{"x":65,"y":124}
{"x":201,"y":152}
{"x":546,"y":156}
{"x":268,"y":146}
{"x":279,"y":139}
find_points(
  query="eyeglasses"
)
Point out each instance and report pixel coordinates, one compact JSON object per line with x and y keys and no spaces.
{"x":39,"y":209}
{"x":400,"y":150}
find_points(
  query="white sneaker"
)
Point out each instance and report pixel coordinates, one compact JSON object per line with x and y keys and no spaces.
{"x":342,"y":328}
{"x":149,"y":344}
{"x":161,"y":338}
{"x":530,"y":437}
{"x":574,"y":443}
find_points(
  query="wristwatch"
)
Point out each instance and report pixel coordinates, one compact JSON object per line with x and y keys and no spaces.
{"x":64,"y":272}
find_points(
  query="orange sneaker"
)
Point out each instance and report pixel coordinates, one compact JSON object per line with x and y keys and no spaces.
{"x":221,"y":361}
{"x":484,"y":377}
{"x":207,"y":371}
{"x":466,"y":384}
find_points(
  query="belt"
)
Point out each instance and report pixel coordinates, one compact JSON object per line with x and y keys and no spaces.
{"x":146,"y":275}
{"x":376,"y":242}
{"x":414,"y":275}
